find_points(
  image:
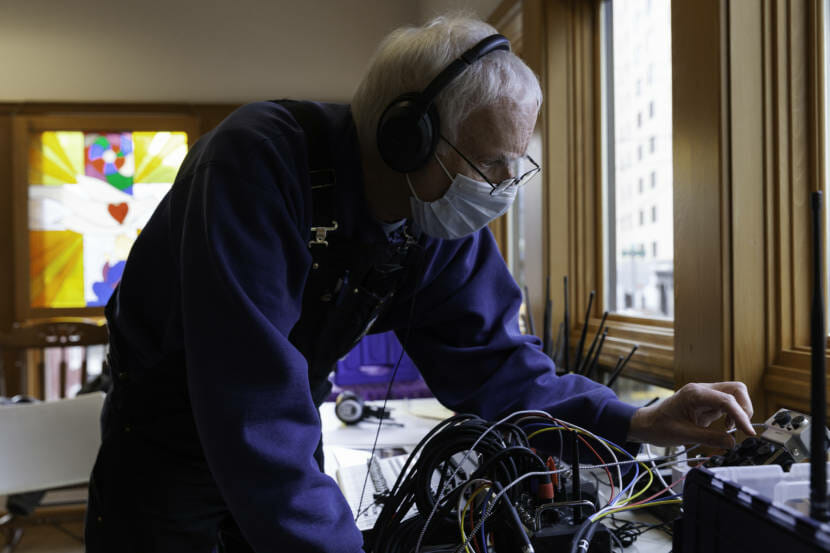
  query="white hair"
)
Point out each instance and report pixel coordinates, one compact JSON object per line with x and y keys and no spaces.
{"x":410,"y":57}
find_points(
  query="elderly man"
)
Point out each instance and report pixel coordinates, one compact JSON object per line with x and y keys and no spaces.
{"x":294,"y":228}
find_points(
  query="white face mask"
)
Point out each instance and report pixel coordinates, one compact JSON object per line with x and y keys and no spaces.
{"x":466,"y":207}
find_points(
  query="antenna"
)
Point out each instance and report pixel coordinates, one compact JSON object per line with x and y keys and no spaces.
{"x":586,"y":361}
{"x":566,"y":346}
{"x":547,"y":338}
{"x":581,"y":346}
{"x":531,"y":327}
{"x":819,"y":507}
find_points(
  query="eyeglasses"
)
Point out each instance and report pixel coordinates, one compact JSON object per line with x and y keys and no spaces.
{"x":523,"y":177}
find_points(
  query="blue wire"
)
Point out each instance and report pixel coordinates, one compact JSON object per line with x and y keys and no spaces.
{"x":636,"y":465}
{"x":483,"y":511}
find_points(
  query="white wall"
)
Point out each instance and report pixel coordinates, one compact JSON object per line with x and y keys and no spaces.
{"x":190,"y":50}
{"x":197,"y":50}
{"x":480,"y":8}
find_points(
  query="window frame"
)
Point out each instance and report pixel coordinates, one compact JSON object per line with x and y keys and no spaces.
{"x":22,"y":128}
{"x":797,"y":162}
{"x":745,"y":115}
{"x":562,"y":45}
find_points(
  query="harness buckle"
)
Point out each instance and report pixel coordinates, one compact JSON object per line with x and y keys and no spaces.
{"x":319,"y":238}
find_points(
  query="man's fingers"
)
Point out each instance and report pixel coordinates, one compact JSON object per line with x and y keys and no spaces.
{"x":715,"y":438}
{"x":739,"y":391}
{"x":733,"y":409}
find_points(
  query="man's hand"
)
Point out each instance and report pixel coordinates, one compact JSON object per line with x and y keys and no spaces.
{"x":684,"y":418}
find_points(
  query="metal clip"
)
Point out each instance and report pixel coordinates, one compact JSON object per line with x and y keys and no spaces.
{"x":320,"y":235}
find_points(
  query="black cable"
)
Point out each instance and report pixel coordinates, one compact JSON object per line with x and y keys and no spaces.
{"x":590,"y":370}
{"x":391,"y":381}
{"x":620,"y":366}
{"x":583,"y":536}
{"x":589,"y":357}
{"x":583,"y":334}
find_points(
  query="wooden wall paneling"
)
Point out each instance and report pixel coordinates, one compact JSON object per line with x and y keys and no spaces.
{"x":586,"y":139}
{"x":20,"y":217}
{"x":796,"y":156}
{"x":507,"y":19}
{"x":803,"y":181}
{"x":747,"y":205}
{"x":6,"y":295}
{"x":11,"y":380}
{"x":701,"y":237}
{"x":534,"y":53}
{"x":546,"y":32}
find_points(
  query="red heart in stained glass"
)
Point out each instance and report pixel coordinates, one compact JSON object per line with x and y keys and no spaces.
{"x":119,"y":162}
{"x":118,"y":211}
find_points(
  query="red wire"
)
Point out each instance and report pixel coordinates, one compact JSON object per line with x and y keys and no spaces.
{"x":584,"y":441}
{"x":472,"y":527}
{"x":601,"y":461}
{"x":667,"y":488}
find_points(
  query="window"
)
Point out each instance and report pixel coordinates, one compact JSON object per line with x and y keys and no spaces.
{"x":88,"y":186}
{"x":640,"y":187}
{"x":639,"y":43}
{"x":639,"y":119}
{"x":90,"y":194}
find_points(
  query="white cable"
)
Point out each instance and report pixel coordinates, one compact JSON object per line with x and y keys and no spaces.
{"x":567,"y":425}
{"x":659,"y":476}
{"x":439,"y":493}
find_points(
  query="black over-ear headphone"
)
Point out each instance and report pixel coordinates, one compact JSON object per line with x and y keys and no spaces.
{"x":350,"y":408}
{"x":409,"y":127}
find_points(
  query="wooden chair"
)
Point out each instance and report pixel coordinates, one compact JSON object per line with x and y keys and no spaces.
{"x":48,"y":357}
{"x":48,"y":360}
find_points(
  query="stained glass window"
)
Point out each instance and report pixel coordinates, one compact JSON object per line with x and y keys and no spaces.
{"x":90,"y":194}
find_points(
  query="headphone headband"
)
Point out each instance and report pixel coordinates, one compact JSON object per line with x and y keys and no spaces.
{"x":409,"y":127}
{"x":453,"y":70}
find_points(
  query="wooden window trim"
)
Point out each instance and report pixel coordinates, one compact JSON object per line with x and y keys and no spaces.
{"x":794,"y":151}
{"x":561,"y":41}
{"x":22,"y":128}
{"x":748,"y":156}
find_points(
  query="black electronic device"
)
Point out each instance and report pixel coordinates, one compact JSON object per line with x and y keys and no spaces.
{"x":719,"y":515}
{"x":784,"y":440}
{"x":351,"y":409}
{"x":409,"y":127}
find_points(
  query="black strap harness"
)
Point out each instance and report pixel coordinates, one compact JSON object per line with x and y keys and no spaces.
{"x":351,"y":284}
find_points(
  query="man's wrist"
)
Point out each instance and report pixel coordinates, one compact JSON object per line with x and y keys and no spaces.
{"x":639,"y":425}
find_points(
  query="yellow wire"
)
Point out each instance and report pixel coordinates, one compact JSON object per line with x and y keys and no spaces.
{"x":464,"y":514}
{"x":646,"y":467}
{"x":629,"y":507}
{"x":644,"y":488}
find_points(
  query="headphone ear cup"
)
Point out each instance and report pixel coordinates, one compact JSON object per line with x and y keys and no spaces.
{"x":407,"y":138}
{"x":349,"y":407}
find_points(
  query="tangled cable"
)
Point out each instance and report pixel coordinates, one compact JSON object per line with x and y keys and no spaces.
{"x":461,"y":449}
